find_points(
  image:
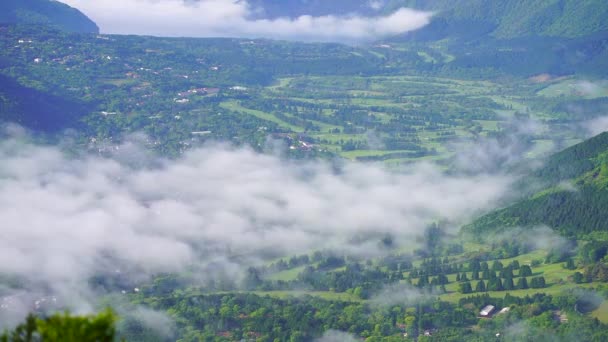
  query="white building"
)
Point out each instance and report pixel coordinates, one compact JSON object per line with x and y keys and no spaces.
{"x":487,"y":311}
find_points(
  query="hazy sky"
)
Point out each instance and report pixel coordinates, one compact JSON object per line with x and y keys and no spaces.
{"x":228,"y":18}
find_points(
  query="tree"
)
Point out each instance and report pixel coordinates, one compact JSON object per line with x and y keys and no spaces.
{"x":570,"y":264}
{"x":497,"y":266}
{"x":65,"y":328}
{"x":474,"y":266}
{"x":506,"y":272}
{"x":297,"y":336}
{"x":423,"y":281}
{"x":252,"y":278}
{"x":495,"y":284}
{"x":507,"y":284}
{"x":522,"y":283}
{"x":410,"y":325}
{"x":480,"y":287}
{"x":525,"y":271}
{"x":537,"y":282}
{"x":465,"y":287}
{"x":577,"y":277}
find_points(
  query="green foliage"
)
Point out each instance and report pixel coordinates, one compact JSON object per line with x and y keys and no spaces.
{"x":234,"y":316}
{"x":465,"y":287}
{"x":525,"y":271}
{"x":512,"y":18}
{"x":522,"y":283}
{"x":64,"y":328}
{"x":596,"y":272}
{"x":574,"y":213}
{"x":593,"y":251}
{"x":538,"y":282}
{"x":495,"y":284}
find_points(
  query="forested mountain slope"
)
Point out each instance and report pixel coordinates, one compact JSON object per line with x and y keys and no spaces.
{"x":573,"y":199}
{"x":46,"y":12}
{"x":516,"y":18}
{"x":519,"y":35}
{"x":505,"y":19}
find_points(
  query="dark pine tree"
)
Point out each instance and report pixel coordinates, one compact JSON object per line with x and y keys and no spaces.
{"x":480,"y":287}
{"x":522,"y":283}
{"x":507,"y":284}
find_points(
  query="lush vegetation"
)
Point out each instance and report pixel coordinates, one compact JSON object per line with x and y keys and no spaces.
{"x":479,"y":70}
{"x":512,"y":18}
{"x":65,"y":328}
{"x":572,"y":196}
{"x":391,"y":102}
{"x":468,"y":18}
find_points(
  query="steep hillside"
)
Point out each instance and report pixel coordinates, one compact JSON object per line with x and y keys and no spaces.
{"x":46,"y":12}
{"x":573,"y":199}
{"x":557,"y":36}
{"x":515,"y":18}
{"x":505,"y":19}
{"x":36,"y":109}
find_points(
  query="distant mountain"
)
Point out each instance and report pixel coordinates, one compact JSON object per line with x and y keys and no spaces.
{"x":296,"y":8}
{"x":572,"y":199}
{"x":504,"y":19}
{"x":510,"y":19}
{"x":46,"y":12}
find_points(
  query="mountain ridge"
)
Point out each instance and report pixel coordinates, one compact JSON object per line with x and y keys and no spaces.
{"x":506,"y":19}
{"x":572,"y":197}
{"x":46,"y":12}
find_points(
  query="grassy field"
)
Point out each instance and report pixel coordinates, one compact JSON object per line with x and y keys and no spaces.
{"x":379,"y":95}
{"x":287,"y":275}
{"x":461,"y":110}
{"x":328,"y":295}
{"x":576,"y":88}
{"x":118,"y":81}
{"x":601,"y":312}
{"x":454,"y":297}
{"x":235,"y":106}
{"x":556,"y":276}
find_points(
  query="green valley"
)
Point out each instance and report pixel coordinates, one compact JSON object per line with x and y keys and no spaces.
{"x":379,"y":171}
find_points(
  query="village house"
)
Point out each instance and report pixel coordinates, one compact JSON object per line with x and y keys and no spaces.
{"x":487,"y":311}
{"x":199,"y":91}
{"x":504,"y":310}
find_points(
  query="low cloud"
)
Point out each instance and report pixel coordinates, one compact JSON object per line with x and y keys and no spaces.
{"x":500,"y":151}
{"x":336,"y":336}
{"x":401,"y":294}
{"x":66,"y":219}
{"x":596,"y":126}
{"x":590,"y":89}
{"x":155,"y":323}
{"x":542,"y":237}
{"x":376,"y":4}
{"x":228,"y":18}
